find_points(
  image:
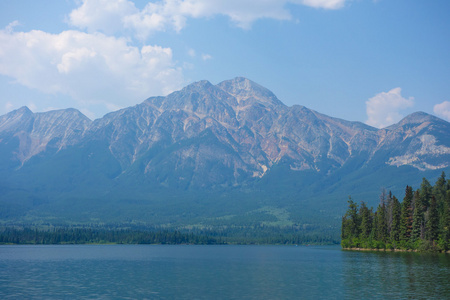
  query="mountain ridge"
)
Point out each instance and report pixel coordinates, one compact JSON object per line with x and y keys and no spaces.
{"x":233,"y":141}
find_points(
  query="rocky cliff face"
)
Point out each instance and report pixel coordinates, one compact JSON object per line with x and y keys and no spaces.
{"x":36,"y":133}
{"x":225,"y":134}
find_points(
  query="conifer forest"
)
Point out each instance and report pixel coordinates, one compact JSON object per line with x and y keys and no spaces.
{"x":420,"y":222}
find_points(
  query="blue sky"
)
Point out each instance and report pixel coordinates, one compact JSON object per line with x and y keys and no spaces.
{"x":360,"y":60}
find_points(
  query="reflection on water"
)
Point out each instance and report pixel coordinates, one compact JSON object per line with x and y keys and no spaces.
{"x":218,"y":272}
{"x":399,"y":275}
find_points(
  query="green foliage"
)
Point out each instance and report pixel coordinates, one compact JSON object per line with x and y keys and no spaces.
{"x":116,"y":235}
{"x":406,"y":215}
{"x":421,"y":222}
{"x":395,"y":224}
{"x":62,"y":235}
{"x":418,"y":218}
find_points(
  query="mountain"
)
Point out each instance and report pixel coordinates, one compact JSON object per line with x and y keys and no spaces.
{"x":208,"y":155}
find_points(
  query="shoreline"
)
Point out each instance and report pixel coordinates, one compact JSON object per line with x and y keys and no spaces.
{"x":394,"y":250}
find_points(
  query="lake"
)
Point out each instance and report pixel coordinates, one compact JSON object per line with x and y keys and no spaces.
{"x":218,"y":272}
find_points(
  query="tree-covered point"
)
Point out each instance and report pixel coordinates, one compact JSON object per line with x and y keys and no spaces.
{"x":421,"y":222}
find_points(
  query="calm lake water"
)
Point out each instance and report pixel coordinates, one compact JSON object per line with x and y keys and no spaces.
{"x":218,"y":272}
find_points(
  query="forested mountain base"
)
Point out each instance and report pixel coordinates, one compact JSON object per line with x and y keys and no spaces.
{"x":116,"y":235}
{"x":99,"y":236}
{"x":421,"y":222}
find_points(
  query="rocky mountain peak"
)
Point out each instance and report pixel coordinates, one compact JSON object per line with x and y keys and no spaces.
{"x":248,"y":92}
{"x":416,"y":118}
{"x":19,"y":119}
{"x":199,"y":97}
{"x":236,"y":126}
{"x":36,"y":130}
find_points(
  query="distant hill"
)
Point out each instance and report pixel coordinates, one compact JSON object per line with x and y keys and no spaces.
{"x":206,"y":156}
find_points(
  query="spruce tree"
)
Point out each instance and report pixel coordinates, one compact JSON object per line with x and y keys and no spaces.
{"x":396,"y":214}
{"x":381,"y":223}
{"x":445,"y":232}
{"x":374,"y":232}
{"x":406,"y":216}
{"x":350,"y":221}
{"x":418,"y":218}
{"x":426,"y":191}
{"x":389,"y":212}
{"x":440,"y":192}
{"x":365,"y":217}
{"x":440,"y":188}
{"x":432,"y":226}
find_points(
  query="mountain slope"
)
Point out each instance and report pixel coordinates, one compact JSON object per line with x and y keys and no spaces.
{"x":223,"y":154}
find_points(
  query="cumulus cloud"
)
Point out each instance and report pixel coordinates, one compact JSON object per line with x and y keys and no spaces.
{"x":110,"y":16}
{"x":102,"y":15}
{"x":383,"y":109}
{"x":91,"y":68}
{"x":443,"y":110}
{"x":98,"y":65}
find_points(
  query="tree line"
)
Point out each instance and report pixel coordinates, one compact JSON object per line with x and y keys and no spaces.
{"x":65,"y":235}
{"x":114,"y":234}
{"x":420,"y":222}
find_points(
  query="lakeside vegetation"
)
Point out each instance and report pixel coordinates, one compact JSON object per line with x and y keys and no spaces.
{"x":420,"y":222}
{"x":61,"y":235}
{"x":23,"y":235}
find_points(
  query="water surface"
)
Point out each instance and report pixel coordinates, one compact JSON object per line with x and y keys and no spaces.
{"x":218,"y":272}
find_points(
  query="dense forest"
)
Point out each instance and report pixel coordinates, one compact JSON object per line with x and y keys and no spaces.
{"x":116,"y":235}
{"x":420,"y":222}
{"x":66,"y":235}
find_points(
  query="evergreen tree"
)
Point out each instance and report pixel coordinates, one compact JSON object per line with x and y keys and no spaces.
{"x":389,"y":211}
{"x":425,"y":193}
{"x":440,"y":192}
{"x":374,"y":233}
{"x":406,"y":215}
{"x":432,"y":226}
{"x":396,"y":214}
{"x":350,"y":222}
{"x":440,"y":188}
{"x":421,"y":222}
{"x":418,"y":218}
{"x":445,"y":231}
{"x":365,"y":216}
{"x":382,"y":232}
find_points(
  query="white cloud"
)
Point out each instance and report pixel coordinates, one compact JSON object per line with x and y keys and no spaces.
{"x":326,"y":4}
{"x":383,"y":109}
{"x":91,"y":68}
{"x":191,"y":52}
{"x":102,"y":15}
{"x":99,"y":68}
{"x":111,"y":16}
{"x":206,"y":57}
{"x":9,"y":106}
{"x":443,"y":110}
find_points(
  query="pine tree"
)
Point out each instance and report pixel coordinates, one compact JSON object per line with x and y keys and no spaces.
{"x":396,"y":214}
{"x":374,"y":232}
{"x":432,"y":226}
{"x":382,"y":232}
{"x":406,"y":216}
{"x":418,"y":218}
{"x":426,"y":191}
{"x":440,"y":192}
{"x":440,"y":188}
{"x":445,"y":231}
{"x":389,"y":212}
{"x":365,"y":216}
